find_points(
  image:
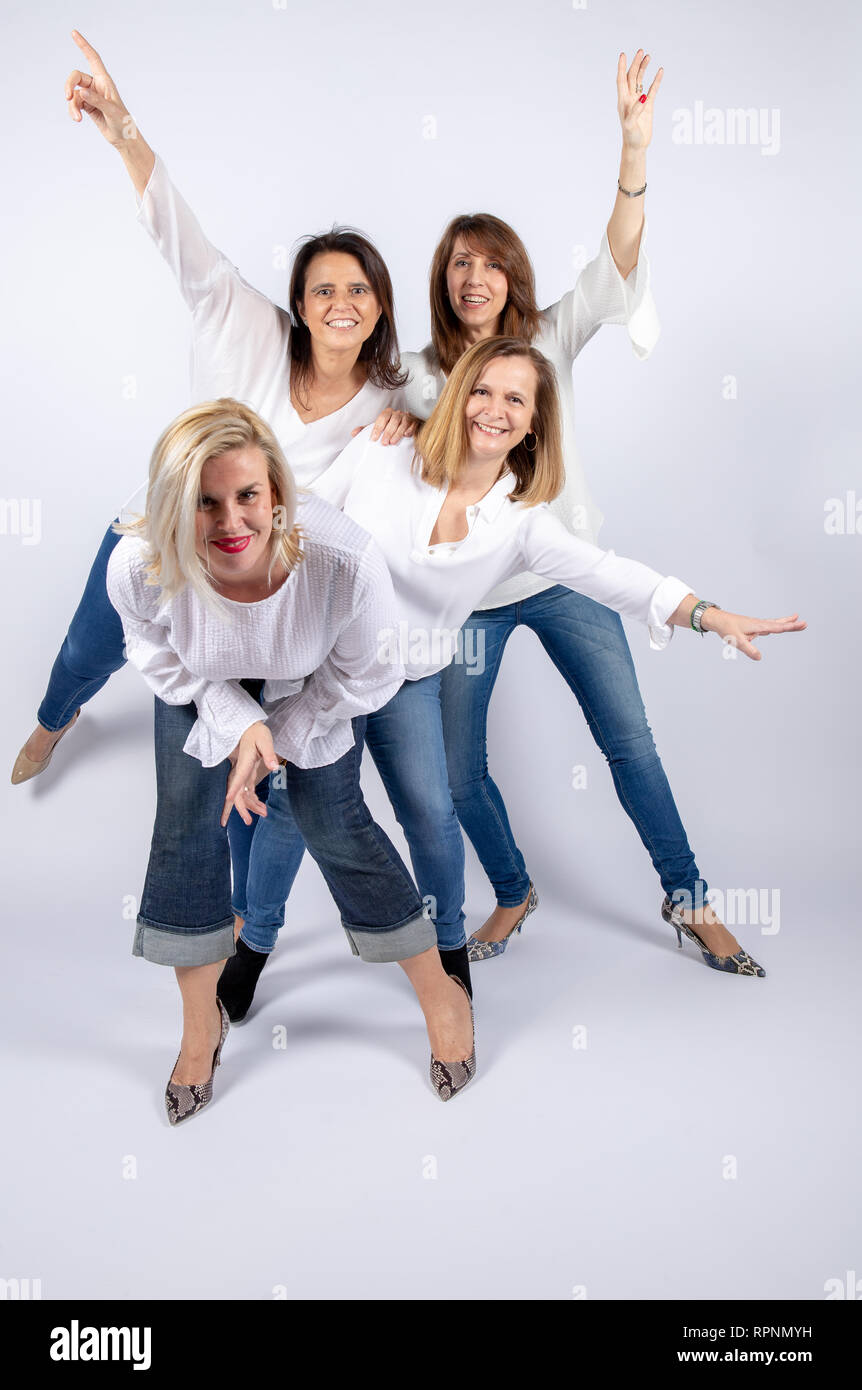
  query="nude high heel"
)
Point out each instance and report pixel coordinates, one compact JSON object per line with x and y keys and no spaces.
{"x":25,"y":767}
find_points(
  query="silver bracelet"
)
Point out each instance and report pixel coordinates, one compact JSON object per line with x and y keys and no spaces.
{"x":697,"y":613}
{"x":636,"y":194}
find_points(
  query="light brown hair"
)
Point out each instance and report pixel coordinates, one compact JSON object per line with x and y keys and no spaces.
{"x":442,"y":442}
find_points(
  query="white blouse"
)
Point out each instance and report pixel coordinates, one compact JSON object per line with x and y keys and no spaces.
{"x":315,"y":641}
{"x":600,"y":295}
{"x":438,"y":586}
{"x":240,"y":342}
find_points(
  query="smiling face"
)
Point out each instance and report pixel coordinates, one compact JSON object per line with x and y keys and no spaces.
{"x":499,"y":411}
{"x":234,"y":517}
{"x":339,"y":306}
{"x":478,"y":289}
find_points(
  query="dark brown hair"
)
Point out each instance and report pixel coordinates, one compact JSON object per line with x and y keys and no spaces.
{"x":380,"y":350}
{"x":495,"y":239}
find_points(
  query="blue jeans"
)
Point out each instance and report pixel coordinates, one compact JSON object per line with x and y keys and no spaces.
{"x":266,"y":857}
{"x":93,"y":649}
{"x":185,"y":915}
{"x":405,"y":739}
{"x":587,"y":644}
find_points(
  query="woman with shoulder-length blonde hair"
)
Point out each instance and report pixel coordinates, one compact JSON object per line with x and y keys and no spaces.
{"x":169,"y":527}
{"x":466,"y":509}
{"x":230,"y":575}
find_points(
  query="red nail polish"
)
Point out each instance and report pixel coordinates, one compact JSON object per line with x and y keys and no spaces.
{"x":642,"y":100}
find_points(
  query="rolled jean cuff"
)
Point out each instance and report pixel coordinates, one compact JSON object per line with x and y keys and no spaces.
{"x":378,"y":944}
{"x":184,"y":945}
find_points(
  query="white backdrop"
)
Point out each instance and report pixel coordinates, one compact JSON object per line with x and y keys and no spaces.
{"x":604,"y":1167}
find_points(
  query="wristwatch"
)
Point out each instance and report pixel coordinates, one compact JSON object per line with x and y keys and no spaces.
{"x":698,"y":611}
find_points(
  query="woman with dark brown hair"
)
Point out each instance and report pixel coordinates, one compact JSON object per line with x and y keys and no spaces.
{"x":482,"y":284}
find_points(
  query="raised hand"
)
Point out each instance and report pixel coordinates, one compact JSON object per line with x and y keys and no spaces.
{"x":738,"y":631}
{"x":95,"y":94}
{"x":636,"y":114}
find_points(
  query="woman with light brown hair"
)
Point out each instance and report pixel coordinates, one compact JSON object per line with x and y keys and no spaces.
{"x":465,"y":510}
{"x":482,"y":284}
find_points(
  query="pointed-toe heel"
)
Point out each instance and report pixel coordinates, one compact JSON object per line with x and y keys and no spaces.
{"x":25,"y":767}
{"x":448,"y":1078}
{"x":739,"y":964}
{"x":181,"y":1102}
{"x":486,"y":950}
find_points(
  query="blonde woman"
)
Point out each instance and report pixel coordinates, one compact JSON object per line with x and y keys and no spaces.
{"x":463,"y":511}
{"x":227,"y":577}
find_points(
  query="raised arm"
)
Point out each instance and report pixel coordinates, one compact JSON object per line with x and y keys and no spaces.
{"x":631,"y":588}
{"x":635,"y":109}
{"x":95,"y":94}
{"x":614,"y":287}
{"x":240,"y":335}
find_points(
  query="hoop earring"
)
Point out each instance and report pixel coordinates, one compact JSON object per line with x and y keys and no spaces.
{"x":531,"y":448}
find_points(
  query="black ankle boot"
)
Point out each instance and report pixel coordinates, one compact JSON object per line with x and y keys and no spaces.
{"x":456,"y":963}
{"x":238,"y":981}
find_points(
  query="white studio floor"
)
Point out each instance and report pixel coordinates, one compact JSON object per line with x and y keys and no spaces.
{"x":328,"y":1168}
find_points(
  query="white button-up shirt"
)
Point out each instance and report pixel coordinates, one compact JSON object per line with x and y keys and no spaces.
{"x":438,"y":586}
{"x":315,"y":641}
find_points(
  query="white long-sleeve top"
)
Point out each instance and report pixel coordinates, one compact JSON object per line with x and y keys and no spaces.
{"x":240,"y":341}
{"x":438,"y":586}
{"x":600,"y":295}
{"x":315,"y":641}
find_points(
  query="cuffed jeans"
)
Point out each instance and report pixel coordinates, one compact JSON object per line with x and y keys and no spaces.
{"x":587,"y":644}
{"x":405,"y":739}
{"x":185,"y":916}
{"x":93,"y":648}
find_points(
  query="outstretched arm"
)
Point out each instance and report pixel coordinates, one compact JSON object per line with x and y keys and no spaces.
{"x":631,"y":588}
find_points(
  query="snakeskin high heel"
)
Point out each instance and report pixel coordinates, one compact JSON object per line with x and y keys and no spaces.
{"x":740,"y":964}
{"x":25,"y":767}
{"x":181,"y":1102}
{"x":484,"y":950}
{"x":448,"y":1078}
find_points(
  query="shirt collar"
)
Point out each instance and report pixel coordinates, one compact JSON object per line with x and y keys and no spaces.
{"x":495,"y":499}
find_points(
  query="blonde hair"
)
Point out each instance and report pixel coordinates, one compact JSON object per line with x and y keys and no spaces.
{"x":442,"y":444}
{"x":169,"y":526}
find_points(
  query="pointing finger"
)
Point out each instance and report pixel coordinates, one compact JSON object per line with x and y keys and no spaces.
{"x":90,"y":53}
